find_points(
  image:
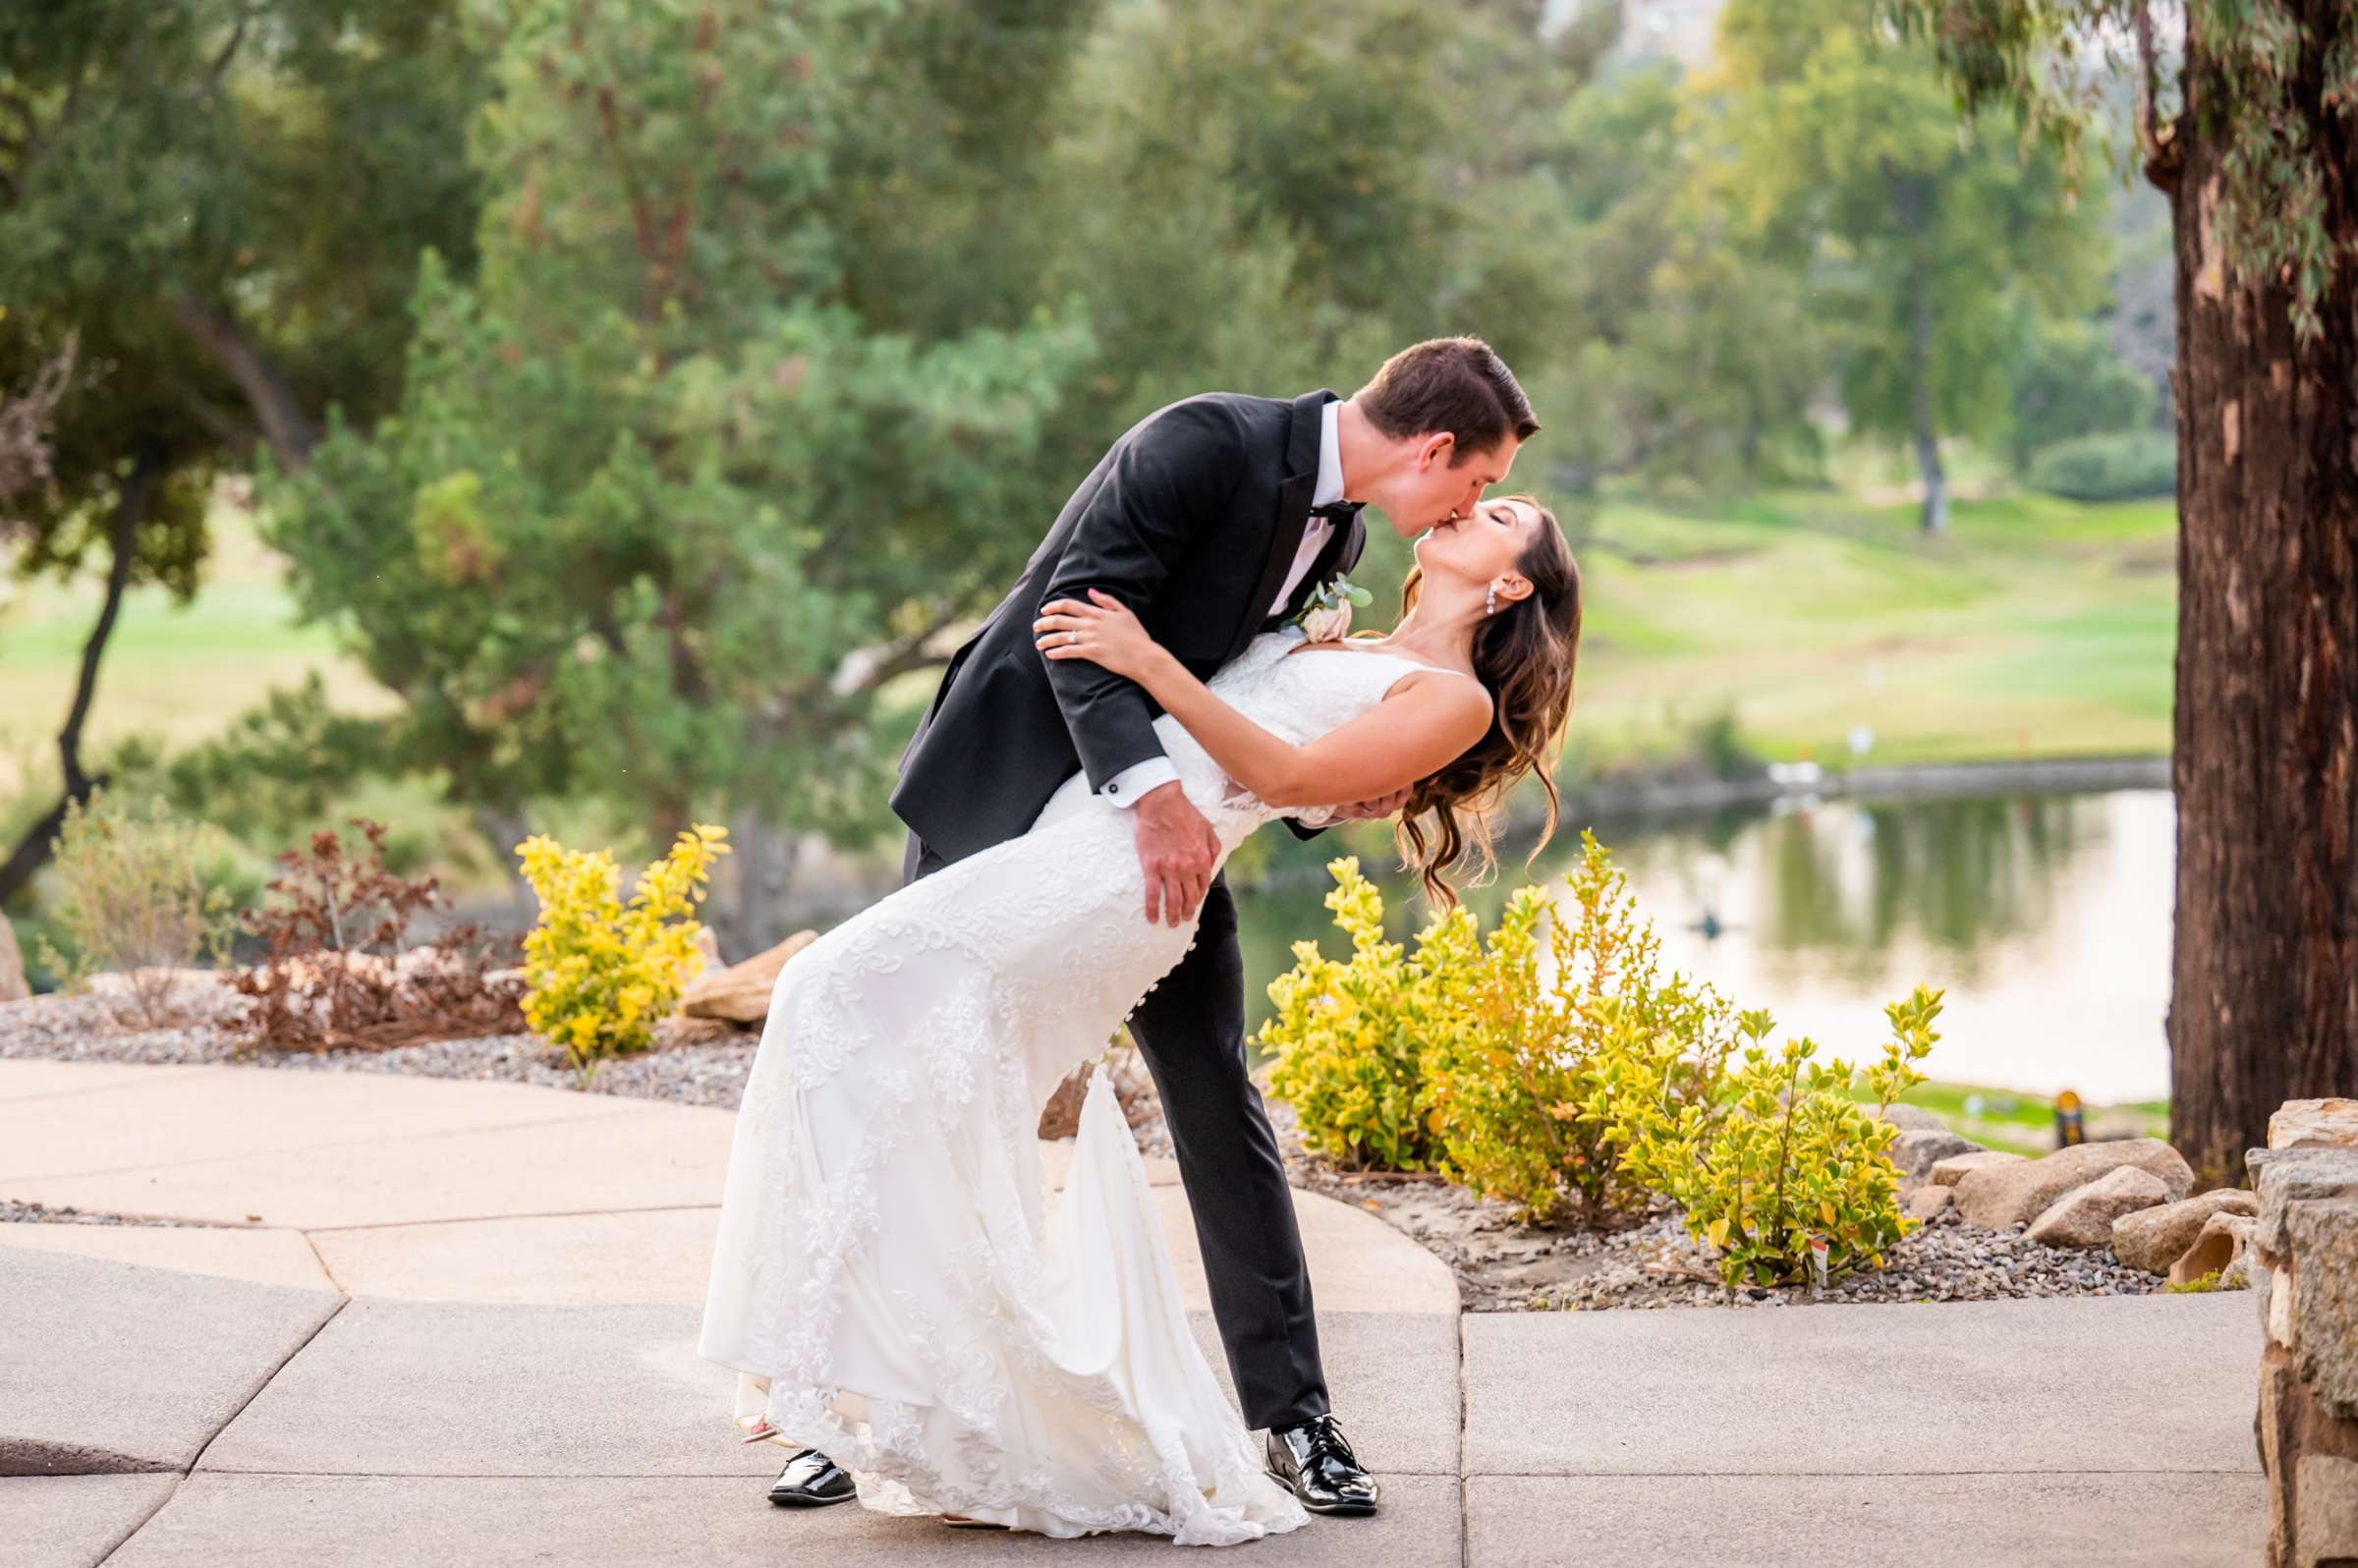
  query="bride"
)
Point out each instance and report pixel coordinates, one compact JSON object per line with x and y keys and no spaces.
{"x":889,"y":1283}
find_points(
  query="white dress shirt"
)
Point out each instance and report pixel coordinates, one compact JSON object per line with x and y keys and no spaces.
{"x":1131,"y":783}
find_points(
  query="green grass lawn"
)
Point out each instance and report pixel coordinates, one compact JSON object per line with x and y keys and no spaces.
{"x":174,"y":671}
{"x":2024,"y":1124}
{"x":2035,"y":627}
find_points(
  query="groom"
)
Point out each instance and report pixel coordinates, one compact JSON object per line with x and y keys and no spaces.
{"x":1213,"y":518}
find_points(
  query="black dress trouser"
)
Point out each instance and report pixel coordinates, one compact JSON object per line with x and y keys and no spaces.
{"x":1191,"y":1030}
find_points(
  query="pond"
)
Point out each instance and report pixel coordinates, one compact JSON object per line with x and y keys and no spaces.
{"x":2046,"y":918}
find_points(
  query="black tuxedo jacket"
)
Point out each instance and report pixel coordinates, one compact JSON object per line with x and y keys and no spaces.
{"x":1191,"y":520}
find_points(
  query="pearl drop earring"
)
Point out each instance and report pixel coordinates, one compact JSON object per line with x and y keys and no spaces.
{"x":1491,"y":605}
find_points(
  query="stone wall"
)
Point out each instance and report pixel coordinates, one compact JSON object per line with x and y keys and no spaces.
{"x":2304,"y":1272}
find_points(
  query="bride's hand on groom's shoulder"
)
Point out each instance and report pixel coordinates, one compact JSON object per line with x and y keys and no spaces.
{"x":1103,"y":632}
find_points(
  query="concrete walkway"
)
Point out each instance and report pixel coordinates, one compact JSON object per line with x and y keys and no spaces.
{"x":374,"y":1184}
{"x":192,"y":1415}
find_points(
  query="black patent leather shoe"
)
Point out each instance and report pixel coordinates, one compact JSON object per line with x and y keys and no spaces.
{"x":812,"y":1479}
{"x":1312,"y":1461}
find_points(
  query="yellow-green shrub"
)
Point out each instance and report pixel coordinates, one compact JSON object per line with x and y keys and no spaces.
{"x":1348,"y":1038}
{"x":602,"y":972}
{"x":1787,"y":1162}
{"x":1521,"y":1081}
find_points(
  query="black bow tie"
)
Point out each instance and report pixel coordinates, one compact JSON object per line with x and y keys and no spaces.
{"x":1337,"y":511}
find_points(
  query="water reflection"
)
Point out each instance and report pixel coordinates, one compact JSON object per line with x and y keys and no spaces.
{"x":2047,"y":917}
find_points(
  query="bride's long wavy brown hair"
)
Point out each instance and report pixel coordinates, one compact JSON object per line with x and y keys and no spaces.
{"x":1525,"y":654}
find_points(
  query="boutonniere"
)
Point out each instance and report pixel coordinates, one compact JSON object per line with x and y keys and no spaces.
{"x":1326,"y":614}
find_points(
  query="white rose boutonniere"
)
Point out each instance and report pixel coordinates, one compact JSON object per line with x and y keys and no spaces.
{"x":1326,"y":615}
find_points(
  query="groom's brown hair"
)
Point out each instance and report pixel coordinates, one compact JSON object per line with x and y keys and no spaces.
{"x":1455,"y":384}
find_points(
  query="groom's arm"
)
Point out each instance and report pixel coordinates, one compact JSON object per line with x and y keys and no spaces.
{"x":1165,"y":486}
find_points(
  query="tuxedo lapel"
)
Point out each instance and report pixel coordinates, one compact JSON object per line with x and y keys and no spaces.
{"x":1294,"y":493}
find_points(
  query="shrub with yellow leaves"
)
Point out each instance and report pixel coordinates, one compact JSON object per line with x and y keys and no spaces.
{"x":1789,"y":1175}
{"x":1348,"y":1037}
{"x":1545,"y":1039}
{"x":601,"y":973}
{"x":1557,"y":1065}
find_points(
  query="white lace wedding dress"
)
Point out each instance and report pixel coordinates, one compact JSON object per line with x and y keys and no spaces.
{"x":888,"y":1281}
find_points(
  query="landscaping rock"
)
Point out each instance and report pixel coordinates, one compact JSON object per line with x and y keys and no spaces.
{"x":2303,"y":1263}
{"x":2220,"y":1243}
{"x":2152,"y":1239}
{"x":740,"y":993}
{"x":1917,"y":1149}
{"x":1926,"y":1203}
{"x":2083,"y":1217}
{"x":2313,"y":1124}
{"x":1999,"y":1195}
{"x":1956,"y":1167}
{"x":2325,"y":1301}
{"x":1914,"y":1119}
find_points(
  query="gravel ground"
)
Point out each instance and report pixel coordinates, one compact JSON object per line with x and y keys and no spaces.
{"x":83,"y":1028}
{"x":13,"y":1212}
{"x":1500,"y":1266}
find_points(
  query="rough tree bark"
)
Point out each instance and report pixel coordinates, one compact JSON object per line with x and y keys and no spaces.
{"x":2265,"y":972}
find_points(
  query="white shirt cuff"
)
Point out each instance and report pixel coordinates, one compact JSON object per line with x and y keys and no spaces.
{"x":1131,"y":784}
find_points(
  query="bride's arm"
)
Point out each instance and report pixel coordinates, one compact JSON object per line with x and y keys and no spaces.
{"x":1427,"y":721}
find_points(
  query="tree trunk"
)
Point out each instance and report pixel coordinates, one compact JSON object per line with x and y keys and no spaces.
{"x":2263,"y":1002}
{"x":1920,"y":375}
{"x":748,"y":907}
{"x":123,"y":539}
{"x":288,"y":429}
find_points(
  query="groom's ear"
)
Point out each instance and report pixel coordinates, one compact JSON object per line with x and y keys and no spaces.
{"x":1436,"y":449}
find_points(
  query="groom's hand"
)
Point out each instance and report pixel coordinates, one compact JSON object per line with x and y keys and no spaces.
{"x":1176,"y":849}
{"x":1377,"y":809}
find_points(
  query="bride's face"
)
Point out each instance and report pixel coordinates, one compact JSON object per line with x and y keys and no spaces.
{"x":1479,"y":548}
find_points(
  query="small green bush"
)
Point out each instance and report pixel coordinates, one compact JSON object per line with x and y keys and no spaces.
{"x":140,"y":894}
{"x":1349,"y":1037}
{"x":2117,"y":466}
{"x":2205,"y":1283}
{"x":1525,"y":1072}
{"x":1555,"y":1065}
{"x":1787,"y":1176}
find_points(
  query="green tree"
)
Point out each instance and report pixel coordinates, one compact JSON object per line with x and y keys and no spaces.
{"x":1689,"y":357}
{"x":2070,"y":380}
{"x":659,"y":512}
{"x":2249,"y":124}
{"x":1926,"y":250}
{"x":219,"y":204}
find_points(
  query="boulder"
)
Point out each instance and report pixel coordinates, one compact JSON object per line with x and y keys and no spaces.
{"x":13,"y":986}
{"x":1956,"y":1167}
{"x":1914,"y":1119}
{"x":2152,"y":1239}
{"x":2303,"y":1263}
{"x":1926,"y":1202}
{"x":2222,"y":1242}
{"x":2000,"y":1195}
{"x":1917,"y":1150}
{"x":2083,"y":1217}
{"x":740,"y":993}
{"x":2297,"y":1123}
